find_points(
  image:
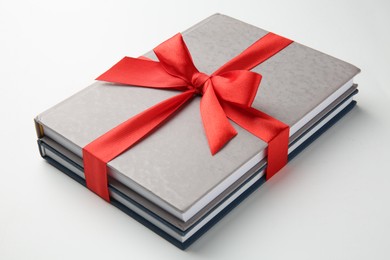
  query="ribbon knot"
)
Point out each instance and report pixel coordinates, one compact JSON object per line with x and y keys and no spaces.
{"x":198,"y":82}
{"x":228,"y":93}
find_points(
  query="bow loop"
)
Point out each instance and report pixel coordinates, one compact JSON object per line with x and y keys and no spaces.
{"x":237,"y":86}
{"x":174,"y":56}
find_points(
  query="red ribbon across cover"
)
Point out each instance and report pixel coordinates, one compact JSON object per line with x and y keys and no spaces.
{"x":227,"y":93}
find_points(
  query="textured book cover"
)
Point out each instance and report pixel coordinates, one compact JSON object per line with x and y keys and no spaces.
{"x":173,"y":168}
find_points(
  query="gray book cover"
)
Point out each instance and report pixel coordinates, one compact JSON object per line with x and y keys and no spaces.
{"x":173,"y":167}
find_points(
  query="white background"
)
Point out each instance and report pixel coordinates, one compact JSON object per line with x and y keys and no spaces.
{"x":331,"y":202}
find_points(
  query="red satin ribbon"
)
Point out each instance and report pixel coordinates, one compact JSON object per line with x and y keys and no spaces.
{"x":227,"y":93}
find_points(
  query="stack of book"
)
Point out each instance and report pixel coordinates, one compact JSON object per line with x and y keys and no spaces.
{"x":169,"y":181}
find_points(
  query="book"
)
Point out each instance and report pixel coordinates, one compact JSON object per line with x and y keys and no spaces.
{"x":130,"y":203}
{"x":170,"y":179}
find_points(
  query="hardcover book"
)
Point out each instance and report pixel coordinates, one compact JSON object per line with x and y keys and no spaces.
{"x":170,"y":181}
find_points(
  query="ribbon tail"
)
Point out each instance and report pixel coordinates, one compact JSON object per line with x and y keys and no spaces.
{"x":265,"y":127}
{"x":218,"y":129}
{"x":99,"y":152}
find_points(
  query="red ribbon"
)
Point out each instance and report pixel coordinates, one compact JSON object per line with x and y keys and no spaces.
{"x":227,"y":93}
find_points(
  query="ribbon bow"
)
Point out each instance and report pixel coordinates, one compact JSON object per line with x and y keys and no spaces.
{"x":227,"y":93}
